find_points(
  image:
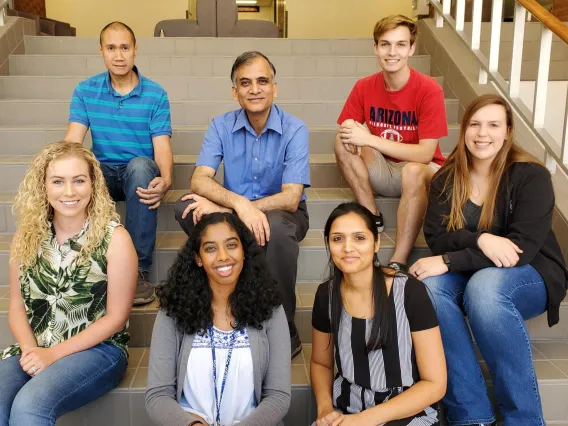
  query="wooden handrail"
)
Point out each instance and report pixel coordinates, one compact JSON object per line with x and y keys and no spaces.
{"x":546,"y":18}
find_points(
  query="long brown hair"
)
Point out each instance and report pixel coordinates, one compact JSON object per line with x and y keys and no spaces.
{"x":456,"y":170}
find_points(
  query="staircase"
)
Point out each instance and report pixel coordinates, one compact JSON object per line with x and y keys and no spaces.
{"x":314,"y":78}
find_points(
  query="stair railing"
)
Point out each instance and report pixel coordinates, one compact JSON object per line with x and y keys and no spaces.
{"x":555,"y":154}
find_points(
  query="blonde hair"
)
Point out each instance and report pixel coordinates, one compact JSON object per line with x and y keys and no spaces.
{"x":33,"y":210}
{"x":394,"y":21}
{"x":456,"y":170}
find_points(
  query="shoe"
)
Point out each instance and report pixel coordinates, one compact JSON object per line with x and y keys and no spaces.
{"x":397,"y":266}
{"x":380,"y":223}
{"x":295,"y":342}
{"x":144,"y":291}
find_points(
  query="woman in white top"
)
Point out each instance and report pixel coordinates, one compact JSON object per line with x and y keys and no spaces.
{"x":217,"y":355}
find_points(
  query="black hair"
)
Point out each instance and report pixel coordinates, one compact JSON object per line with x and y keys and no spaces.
{"x":117,"y":24}
{"x":247,"y":58}
{"x":381,"y":323}
{"x":186,"y":294}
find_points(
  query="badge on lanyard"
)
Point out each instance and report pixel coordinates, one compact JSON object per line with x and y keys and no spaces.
{"x":219,"y":396}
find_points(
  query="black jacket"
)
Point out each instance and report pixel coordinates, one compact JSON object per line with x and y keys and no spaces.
{"x":524,"y":207}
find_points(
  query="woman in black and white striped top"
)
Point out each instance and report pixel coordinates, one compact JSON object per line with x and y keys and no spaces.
{"x":380,"y":329}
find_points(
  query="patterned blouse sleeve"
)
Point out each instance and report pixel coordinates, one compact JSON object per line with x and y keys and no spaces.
{"x":320,"y":313}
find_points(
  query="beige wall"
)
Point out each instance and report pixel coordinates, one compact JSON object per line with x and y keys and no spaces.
{"x":306,"y":18}
{"x":89,"y":16}
{"x":340,"y":18}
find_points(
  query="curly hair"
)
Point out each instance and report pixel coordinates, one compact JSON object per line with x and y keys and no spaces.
{"x":186,"y":294}
{"x":33,"y":210}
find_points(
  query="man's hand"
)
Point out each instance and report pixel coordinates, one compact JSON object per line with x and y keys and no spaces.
{"x":354,"y":134}
{"x":200,"y":207}
{"x":428,"y":267}
{"x":155,"y":192}
{"x":34,"y":360}
{"x":255,"y":220}
{"x":501,"y":251}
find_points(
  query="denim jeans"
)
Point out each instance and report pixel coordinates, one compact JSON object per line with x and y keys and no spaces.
{"x":141,"y":222}
{"x":497,"y":301}
{"x":64,"y":386}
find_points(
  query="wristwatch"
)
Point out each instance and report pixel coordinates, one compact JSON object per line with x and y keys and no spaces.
{"x":446,"y":260}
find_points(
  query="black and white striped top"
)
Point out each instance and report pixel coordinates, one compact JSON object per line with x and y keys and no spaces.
{"x":363,"y":379}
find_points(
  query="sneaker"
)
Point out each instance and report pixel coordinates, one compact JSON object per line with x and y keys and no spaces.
{"x":144,"y":291}
{"x":397,"y":266}
{"x":379,"y":222}
{"x":295,"y":342}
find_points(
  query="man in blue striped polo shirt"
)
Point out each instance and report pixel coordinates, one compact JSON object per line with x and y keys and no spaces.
{"x":129,"y":118}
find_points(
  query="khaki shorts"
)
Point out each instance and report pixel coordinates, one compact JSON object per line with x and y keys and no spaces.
{"x":385,"y":176}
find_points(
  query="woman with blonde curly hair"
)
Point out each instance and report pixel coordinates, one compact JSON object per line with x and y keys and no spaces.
{"x":73,"y":272}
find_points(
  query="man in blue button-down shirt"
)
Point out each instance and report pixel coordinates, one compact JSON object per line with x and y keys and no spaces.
{"x":266,"y":167}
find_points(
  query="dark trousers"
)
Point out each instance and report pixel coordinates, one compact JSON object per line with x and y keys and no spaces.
{"x":286,"y":231}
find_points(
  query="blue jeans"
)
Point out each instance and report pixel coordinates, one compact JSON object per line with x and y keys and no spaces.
{"x":496,"y":301}
{"x":64,"y":386}
{"x":141,"y":222}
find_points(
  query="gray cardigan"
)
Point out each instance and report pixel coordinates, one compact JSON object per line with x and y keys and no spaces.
{"x":169,"y":352}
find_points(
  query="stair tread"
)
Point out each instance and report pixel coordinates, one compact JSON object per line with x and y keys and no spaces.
{"x":313,"y":194}
{"x":175,"y":127}
{"x":174,"y":240}
{"x":194,"y":101}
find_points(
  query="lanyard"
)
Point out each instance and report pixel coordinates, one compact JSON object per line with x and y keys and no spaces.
{"x":219,"y":398}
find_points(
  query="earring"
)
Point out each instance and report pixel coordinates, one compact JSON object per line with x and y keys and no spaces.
{"x":376,"y":261}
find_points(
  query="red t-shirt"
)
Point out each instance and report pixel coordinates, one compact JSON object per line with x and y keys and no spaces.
{"x":415,"y":112}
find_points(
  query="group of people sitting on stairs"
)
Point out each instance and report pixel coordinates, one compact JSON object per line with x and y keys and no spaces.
{"x":389,"y":341}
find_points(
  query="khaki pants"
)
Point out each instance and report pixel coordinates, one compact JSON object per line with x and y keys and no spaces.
{"x":385,"y":176}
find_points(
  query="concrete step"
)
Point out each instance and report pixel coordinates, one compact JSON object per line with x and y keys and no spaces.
{"x":185,"y":88}
{"x":186,"y":139}
{"x":324,"y":172}
{"x":550,"y":359}
{"x":56,"y":111}
{"x":321,"y":202}
{"x":312,"y":261}
{"x":186,"y":46}
{"x":207,"y":65}
{"x":312,"y":270}
{"x":125,"y":404}
{"x":551,"y":375}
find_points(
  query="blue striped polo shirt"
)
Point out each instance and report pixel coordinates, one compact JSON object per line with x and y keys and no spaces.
{"x":122,"y":127}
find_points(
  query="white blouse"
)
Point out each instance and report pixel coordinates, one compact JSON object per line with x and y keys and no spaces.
{"x":198,"y":394}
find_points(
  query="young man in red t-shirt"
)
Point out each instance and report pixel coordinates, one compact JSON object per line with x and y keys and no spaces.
{"x":398,"y":152}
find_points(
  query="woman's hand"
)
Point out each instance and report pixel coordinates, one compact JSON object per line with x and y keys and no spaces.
{"x":428,"y":267}
{"x":323,"y":414}
{"x":35,"y":360}
{"x":329,"y":419}
{"x":501,"y":251}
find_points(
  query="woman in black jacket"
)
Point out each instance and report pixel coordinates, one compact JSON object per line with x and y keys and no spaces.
{"x":496,"y":259}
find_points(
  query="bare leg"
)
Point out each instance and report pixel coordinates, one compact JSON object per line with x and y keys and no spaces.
{"x":354,"y":170}
{"x":412,"y":208}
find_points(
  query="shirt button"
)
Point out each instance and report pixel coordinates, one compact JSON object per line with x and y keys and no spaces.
{"x":257,"y":139}
{"x":255,"y":158}
{"x":254,"y":177}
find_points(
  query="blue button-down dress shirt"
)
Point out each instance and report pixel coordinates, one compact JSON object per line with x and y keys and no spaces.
{"x":256,"y":166}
